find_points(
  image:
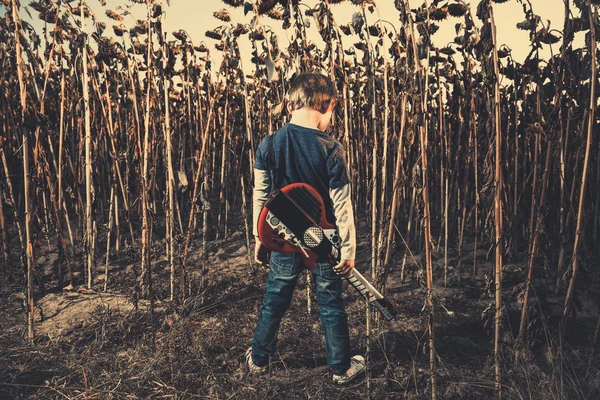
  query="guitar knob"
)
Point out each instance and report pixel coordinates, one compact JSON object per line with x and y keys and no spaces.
{"x":274,"y":240}
{"x":335,"y":239}
{"x":281,"y":243}
{"x":275,"y":231}
{"x":282,"y":235}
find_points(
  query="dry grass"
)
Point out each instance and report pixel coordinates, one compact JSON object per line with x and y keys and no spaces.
{"x":195,"y":351}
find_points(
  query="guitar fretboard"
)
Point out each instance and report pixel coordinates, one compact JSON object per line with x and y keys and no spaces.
{"x":362,"y":289}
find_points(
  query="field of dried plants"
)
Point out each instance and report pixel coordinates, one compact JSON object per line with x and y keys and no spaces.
{"x":126,"y":183}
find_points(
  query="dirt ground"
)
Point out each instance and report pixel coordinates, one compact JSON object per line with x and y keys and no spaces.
{"x":92,"y":344}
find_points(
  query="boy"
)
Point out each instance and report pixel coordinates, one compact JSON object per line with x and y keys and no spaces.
{"x":304,"y":153}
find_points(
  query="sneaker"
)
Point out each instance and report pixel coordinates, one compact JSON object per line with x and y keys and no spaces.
{"x":253,"y":368}
{"x":357,"y":367}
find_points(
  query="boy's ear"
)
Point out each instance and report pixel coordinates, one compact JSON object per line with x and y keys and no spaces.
{"x":331,"y":105}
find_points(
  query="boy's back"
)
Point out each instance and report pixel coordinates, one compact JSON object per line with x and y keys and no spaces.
{"x":305,"y":155}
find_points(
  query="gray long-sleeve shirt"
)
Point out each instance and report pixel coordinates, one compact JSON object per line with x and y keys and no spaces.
{"x":313,"y":157}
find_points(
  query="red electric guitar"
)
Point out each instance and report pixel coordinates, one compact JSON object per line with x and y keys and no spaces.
{"x":293,"y":220}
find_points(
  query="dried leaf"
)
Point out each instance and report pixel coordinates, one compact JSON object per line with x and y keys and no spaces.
{"x":272,"y":74}
{"x":247,"y":8}
{"x":183,"y":181}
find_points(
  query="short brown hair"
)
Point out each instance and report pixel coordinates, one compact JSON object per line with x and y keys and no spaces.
{"x":312,"y":90}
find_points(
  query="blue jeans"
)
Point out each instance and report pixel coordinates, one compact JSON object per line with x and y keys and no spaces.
{"x":285,"y":269}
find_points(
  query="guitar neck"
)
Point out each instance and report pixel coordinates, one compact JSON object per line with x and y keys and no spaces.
{"x":376,"y":299}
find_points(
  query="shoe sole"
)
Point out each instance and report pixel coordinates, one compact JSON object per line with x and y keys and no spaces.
{"x":355,"y":377}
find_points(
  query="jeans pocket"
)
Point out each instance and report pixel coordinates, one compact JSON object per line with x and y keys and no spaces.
{"x":326,"y":271}
{"x":282,"y":264}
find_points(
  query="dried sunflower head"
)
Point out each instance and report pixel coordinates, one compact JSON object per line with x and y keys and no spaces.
{"x":357,"y":22}
{"x":39,"y":7}
{"x":112,"y":14}
{"x":181,"y":35}
{"x":529,"y":24}
{"x":201,"y":48}
{"x":86,"y":11}
{"x":399,"y":4}
{"x":222,"y":15}
{"x":264,"y":6}
{"x":449,"y":51}
{"x":374,"y":30}
{"x":503,"y":51}
{"x":233,"y":3}
{"x":100,"y":27}
{"x":257,"y":35}
{"x":119,"y":29}
{"x":141,"y":27}
{"x":438,"y":14}
{"x":275,"y":14}
{"x":50,"y":16}
{"x":457,"y":9}
{"x":547,"y":37}
{"x":156,"y":11}
{"x":346,"y":29}
{"x":361,"y":46}
{"x":240,"y":29}
{"x":214,"y":35}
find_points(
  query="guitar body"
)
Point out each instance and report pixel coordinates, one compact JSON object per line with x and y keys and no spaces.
{"x":276,"y":235}
{"x":293,"y":220}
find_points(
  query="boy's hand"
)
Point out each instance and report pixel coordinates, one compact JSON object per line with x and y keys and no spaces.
{"x":344,"y":267}
{"x":261,"y":254}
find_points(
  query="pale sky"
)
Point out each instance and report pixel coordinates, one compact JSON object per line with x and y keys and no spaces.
{"x":196,"y":17}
